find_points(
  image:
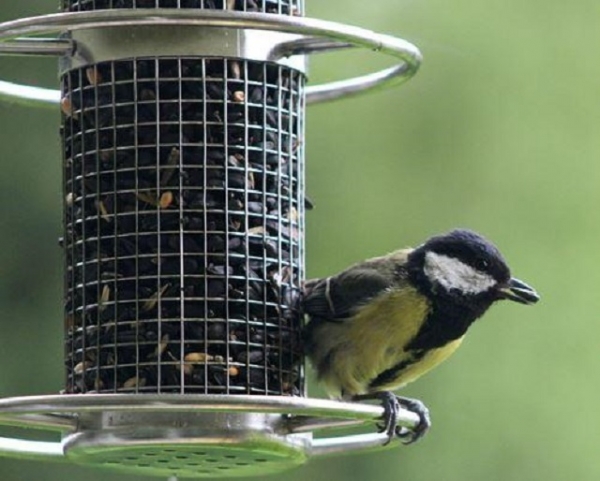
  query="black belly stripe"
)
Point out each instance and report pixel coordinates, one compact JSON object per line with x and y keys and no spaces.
{"x":389,"y":375}
{"x":445,"y":322}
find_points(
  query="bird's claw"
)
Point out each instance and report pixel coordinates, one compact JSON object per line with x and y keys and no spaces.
{"x":410,"y":436}
{"x":392,"y":405}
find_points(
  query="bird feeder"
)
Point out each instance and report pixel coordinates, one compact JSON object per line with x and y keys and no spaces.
{"x":184,"y":219}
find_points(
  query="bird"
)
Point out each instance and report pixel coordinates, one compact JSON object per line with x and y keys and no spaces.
{"x":384,"y":322}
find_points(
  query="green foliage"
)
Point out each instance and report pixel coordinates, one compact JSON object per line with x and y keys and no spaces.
{"x":498,"y":132}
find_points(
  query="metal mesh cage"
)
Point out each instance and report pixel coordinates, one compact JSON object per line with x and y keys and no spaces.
{"x":281,"y":7}
{"x":184,"y":234}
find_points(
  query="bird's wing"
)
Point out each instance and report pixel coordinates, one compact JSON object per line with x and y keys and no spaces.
{"x":339,"y":297}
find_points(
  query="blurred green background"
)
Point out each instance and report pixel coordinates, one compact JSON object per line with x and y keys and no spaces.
{"x":497,"y":132}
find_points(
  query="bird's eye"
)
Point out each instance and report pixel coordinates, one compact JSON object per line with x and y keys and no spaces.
{"x":482,"y":264}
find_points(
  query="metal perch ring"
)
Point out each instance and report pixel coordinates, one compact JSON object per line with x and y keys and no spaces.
{"x":301,"y":36}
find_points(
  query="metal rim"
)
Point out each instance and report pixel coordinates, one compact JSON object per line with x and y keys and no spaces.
{"x":316,"y":36}
{"x":88,"y":403}
{"x":59,"y":412}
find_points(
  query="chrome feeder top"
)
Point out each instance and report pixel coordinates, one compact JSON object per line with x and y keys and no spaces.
{"x":184,"y":207}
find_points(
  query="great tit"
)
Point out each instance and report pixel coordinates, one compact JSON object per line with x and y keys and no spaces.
{"x":385,"y":322}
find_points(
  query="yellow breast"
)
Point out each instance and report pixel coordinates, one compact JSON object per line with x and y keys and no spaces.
{"x":375,"y":340}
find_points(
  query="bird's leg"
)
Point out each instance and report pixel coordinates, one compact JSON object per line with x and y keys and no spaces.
{"x":391,"y":408}
{"x":392,"y":405}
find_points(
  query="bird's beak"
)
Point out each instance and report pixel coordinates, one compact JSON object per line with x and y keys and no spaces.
{"x":518,"y":291}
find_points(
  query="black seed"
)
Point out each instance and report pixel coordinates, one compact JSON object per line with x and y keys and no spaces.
{"x":216,"y":330}
{"x":216,"y":288}
{"x":251,"y":357}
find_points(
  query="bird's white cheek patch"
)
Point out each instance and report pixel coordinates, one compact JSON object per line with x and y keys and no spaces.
{"x":454,"y":274}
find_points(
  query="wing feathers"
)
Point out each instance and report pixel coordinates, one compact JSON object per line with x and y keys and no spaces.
{"x":340,"y":296}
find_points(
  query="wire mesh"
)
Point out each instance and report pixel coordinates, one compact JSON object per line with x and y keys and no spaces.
{"x":281,"y":7}
{"x":184,"y":222}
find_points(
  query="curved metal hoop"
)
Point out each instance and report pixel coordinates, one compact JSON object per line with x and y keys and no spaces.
{"x":315,"y":36}
{"x":59,"y":413}
{"x":70,"y":404}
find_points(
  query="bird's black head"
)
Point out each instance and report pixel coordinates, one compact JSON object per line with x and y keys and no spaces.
{"x":463,"y":268}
